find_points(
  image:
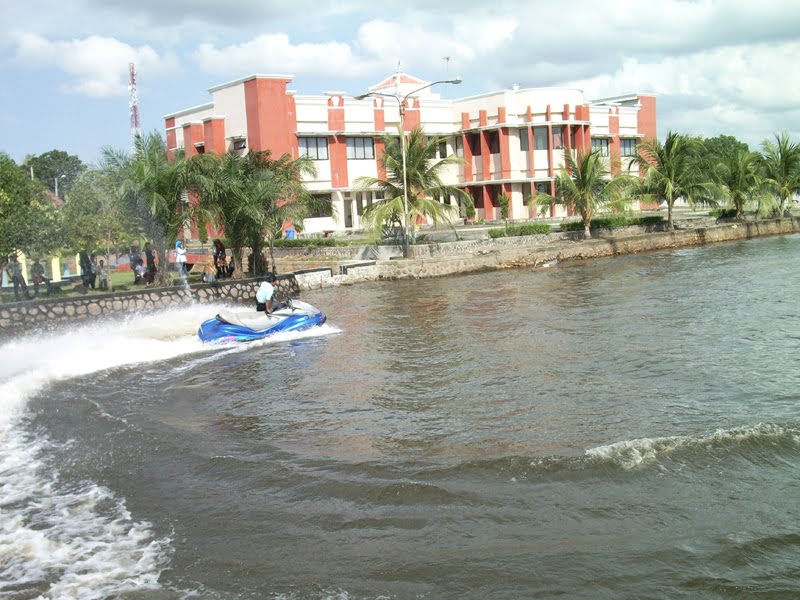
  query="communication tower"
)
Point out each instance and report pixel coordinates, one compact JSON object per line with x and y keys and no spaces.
{"x":133,"y":103}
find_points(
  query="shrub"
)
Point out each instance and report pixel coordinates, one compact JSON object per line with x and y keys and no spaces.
{"x":523,"y":229}
{"x":305,"y":243}
{"x":613,"y":222}
{"x":724,"y":213}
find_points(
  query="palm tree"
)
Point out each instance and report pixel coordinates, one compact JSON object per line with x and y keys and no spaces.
{"x":585,"y":184}
{"x":251,"y":196}
{"x":738,"y":173}
{"x":781,"y":165}
{"x":425,"y":186}
{"x":674,"y":170}
{"x":151,"y":188}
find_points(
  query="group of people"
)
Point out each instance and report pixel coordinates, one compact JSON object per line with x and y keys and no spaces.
{"x":94,"y":273}
{"x":144,"y":270}
{"x":38,"y":277}
{"x":218,"y":266}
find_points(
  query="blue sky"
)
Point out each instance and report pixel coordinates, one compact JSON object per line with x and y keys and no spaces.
{"x":717,"y":66}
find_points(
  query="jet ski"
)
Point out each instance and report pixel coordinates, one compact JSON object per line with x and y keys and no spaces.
{"x":230,"y":326}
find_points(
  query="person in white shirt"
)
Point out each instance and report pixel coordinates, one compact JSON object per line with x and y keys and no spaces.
{"x":264,"y":297}
{"x":180,"y":258}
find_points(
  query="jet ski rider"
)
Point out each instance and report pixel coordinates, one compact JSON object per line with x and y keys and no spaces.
{"x":264,"y":297}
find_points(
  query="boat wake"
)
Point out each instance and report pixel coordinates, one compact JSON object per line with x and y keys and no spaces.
{"x":79,"y":540}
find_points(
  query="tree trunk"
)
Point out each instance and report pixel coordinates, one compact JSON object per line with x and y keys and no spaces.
{"x":587,"y":231}
{"x":670,"y":226}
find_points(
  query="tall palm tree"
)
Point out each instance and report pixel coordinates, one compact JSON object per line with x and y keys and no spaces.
{"x":251,"y":196}
{"x":674,"y":170}
{"x":586,"y":185}
{"x":739,"y":175}
{"x":151,"y":188}
{"x":425,"y":185}
{"x":781,"y":165}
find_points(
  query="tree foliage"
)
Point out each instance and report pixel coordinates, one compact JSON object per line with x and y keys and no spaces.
{"x":781,"y":168}
{"x":739,"y":175}
{"x":93,"y":216}
{"x":586,"y":185}
{"x":674,"y":169}
{"x":424,"y":179}
{"x":252,"y":196}
{"x":56,"y":165}
{"x":152,"y":191}
{"x":29,"y":221}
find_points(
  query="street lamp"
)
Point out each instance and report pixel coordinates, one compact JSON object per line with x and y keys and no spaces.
{"x":401,"y":105}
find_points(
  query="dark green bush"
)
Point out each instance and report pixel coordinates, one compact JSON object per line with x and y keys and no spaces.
{"x":305,"y":243}
{"x":612,"y":222}
{"x":523,"y":229}
{"x":724,"y":213}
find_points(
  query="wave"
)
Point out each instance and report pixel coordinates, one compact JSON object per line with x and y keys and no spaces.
{"x":762,"y":443}
{"x":78,"y":540}
{"x":647,"y":451}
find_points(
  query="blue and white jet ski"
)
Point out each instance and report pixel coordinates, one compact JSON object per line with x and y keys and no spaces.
{"x":229,"y":326}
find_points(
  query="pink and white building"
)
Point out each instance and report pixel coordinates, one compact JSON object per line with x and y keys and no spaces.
{"x":512,"y":141}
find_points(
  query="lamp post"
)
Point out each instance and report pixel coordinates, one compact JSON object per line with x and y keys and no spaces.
{"x":401,"y":105}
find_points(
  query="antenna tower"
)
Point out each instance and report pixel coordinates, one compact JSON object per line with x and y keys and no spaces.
{"x":133,"y":103}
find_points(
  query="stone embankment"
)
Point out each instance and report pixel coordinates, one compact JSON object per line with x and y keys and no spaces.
{"x":432,"y":260}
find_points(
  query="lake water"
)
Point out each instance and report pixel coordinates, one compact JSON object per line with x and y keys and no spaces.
{"x":617,"y":428}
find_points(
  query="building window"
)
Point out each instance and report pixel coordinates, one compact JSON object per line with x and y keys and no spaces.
{"x":523,"y":139}
{"x":540,"y":138}
{"x":542,"y":188}
{"x":459,"y":146}
{"x":360,"y":148}
{"x":600,"y":144}
{"x":627,"y":146}
{"x":493,"y":141}
{"x":316,"y":148}
{"x":442,"y":149}
{"x":321,"y":205}
{"x":239,"y":145}
{"x":475,"y":143}
{"x":558,"y":138}
{"x":200,"y":148}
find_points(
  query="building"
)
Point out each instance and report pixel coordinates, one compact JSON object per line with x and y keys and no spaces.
{"x":512,"y":141}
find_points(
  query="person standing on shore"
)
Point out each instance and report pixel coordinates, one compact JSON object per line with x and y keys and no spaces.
{"x":14,"y":270}
{"x":38,"y":277}
{"x":180,"y":258}
{"x":150,"y":256}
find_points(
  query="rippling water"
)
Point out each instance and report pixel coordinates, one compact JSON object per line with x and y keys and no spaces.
{"x":618,"y":428}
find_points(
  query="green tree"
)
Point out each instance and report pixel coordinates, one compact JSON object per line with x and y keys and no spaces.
{"x":29,"y":221}
{"x":723,"y":146}
{"x":674,"y":169}
{"x":153,"y":192}
{"x":738,"y":173}
{"x":56,"y":165}
{"x":586,"y":185}
{"x":93,"y":216}
{"x":781,"y":167}
{"x":425,"y":186}
{"x":251,"y":196}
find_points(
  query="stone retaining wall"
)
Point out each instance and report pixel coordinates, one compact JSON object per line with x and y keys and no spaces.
{"x":37,"y":313}
{"x":481,"y":255}
{"x":434,"y":260}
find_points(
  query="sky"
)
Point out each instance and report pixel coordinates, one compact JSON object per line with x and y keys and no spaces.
{"x":716,"y":66}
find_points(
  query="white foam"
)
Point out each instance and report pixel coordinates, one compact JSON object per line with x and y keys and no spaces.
{"x":83,"y":542}
{"x":644,"y":451}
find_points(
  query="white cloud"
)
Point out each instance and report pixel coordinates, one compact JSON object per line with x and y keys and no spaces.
{"x":98,"y":65}
{"x":275,"y":53}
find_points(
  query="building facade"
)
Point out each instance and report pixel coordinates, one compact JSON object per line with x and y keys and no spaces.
{"x":512,"y":141}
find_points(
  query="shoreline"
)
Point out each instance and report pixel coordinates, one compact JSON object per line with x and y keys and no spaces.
{"x":440,"y":260}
